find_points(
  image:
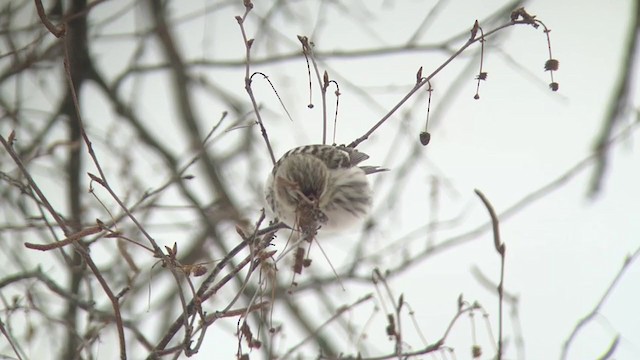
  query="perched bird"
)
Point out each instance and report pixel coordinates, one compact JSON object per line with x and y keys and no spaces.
{"x":320,"y":186}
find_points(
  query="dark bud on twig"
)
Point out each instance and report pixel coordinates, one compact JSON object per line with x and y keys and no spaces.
{"x":391,"y":327}
{"x":476,"y":351}
{"x":515,"y":15}
{"x":419,"y":75}
{"x":304,"y":41}
{"x":551,"y":65}
{"x":474,"y":30}
{"x":12,"y":138}
{"x":521,"y":14}
{"x":425,"y":137}
{"x":554,"y":86}
{"x":299,"y":260}
{"x":199,"y":270}
{"x":482,"y":76}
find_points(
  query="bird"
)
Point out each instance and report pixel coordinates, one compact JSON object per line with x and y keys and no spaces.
{"x":318,"y":186}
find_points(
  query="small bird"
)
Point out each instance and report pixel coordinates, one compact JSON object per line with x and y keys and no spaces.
{"x":320,"y":186}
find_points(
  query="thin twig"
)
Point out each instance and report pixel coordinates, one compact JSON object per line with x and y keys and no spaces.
{"x":426,"y":80}
{"x":438,"y":345}
{"x":630,"y":259}
{"x":16,"y":159}
{"x":204,"y":292}
{"x":247,"y":78}
{"x":55,"y":30}
{"x":69,"y":240}
{"x":338,"y":313}
{"x":501,"y":249}
{"x":14,"y":345}
{"x":323,"y":81}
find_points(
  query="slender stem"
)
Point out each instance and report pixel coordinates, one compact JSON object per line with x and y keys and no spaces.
{"x":426,"y":80}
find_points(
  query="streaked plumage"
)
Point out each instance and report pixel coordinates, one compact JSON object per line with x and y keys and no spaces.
{"x":320,"y":185}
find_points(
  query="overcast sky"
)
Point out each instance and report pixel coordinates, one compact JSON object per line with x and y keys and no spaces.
{"x":563,"y":251}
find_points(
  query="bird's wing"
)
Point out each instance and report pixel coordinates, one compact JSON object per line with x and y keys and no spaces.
{"x":373,"y":169}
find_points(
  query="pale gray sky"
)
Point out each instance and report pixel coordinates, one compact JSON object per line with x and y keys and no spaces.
{"x":562,"y":252}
